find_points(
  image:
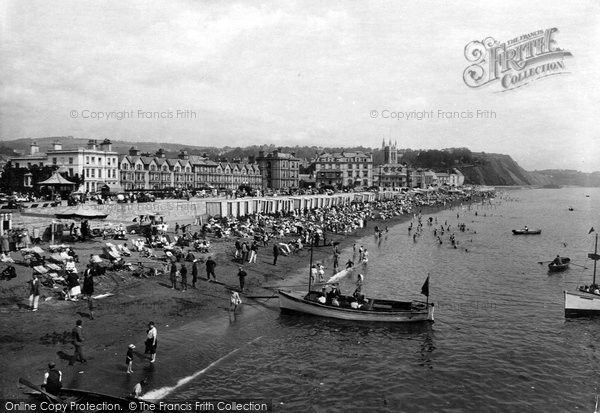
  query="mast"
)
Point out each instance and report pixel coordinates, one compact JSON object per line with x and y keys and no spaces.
{"x":595,"y":258}
{"x":312,"y":242}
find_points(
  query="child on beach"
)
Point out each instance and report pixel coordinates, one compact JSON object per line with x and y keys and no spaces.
{"x":129,"y":359}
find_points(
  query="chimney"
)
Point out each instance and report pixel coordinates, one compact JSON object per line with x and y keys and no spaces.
{"x":56,"y":146}
{"x":92,"y":144}
{"x":106,"y":145}
{"x":261,"y":154}
{"x":34,"y":148}
{"x":133,"y":151}
{"x":183,"y":155}
{"x":160,"y":153}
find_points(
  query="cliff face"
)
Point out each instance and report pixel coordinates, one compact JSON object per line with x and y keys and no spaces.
{"x":498,"y":169}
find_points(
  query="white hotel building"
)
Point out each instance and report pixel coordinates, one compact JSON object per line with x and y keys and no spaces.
{"x":97,"y":163}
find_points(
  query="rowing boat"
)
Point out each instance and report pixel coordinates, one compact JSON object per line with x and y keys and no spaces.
{"x":554,"y":267}
{"x":526,"y":231}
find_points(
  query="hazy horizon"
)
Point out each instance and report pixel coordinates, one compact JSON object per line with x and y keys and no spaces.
{"x":297,"y":73}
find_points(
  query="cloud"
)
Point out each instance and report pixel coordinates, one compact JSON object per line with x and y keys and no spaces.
{"x":300,"y":71}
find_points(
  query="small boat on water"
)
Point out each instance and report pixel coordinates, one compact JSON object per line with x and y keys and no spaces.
{"x":559,"y":266}
{"x":77,"y":397}
{"x":526,"y":231}
{"x":375,"y":309}
{"x":356,"y":309}
{"x":585,"y":301}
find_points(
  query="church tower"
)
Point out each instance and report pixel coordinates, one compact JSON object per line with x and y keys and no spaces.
{"x":390,"y":153}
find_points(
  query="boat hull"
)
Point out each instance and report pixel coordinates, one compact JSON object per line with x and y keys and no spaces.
{"x":529,"y":232}
{"x":580,"y":304}
{"x":293,"y":301}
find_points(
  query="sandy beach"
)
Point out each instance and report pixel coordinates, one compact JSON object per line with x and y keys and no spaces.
{"x":30,"y":340}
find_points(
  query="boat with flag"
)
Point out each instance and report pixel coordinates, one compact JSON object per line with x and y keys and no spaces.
{"x":585,"y":301}
{"x":356,"y":307}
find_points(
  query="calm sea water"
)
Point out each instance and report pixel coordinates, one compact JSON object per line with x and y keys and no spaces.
{"x":500,"y":341}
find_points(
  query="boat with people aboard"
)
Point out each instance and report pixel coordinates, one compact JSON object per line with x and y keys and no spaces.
{"x":73,"y":399}
{"x":559,"y":264}
{"x":367,"y":310}
{"x":526,"y":231}
{"x":355,"y":307}
{"x":585,"y":301}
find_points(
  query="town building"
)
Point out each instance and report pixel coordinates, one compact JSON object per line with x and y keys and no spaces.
{"x":97,"y":163}
{"x":344,"y":169}
{"x":279,"y":170}
{"x":391,"y":175}
{"x":144,"y":172}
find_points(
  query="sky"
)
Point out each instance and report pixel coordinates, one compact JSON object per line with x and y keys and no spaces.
{"x":292,"y":73}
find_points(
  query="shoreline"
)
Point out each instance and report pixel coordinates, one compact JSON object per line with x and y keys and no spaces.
{"x":34,"y":339}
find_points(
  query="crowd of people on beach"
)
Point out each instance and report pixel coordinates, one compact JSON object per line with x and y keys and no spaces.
{"x":187,"y":250}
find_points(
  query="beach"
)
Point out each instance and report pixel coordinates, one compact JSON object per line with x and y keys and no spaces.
{"x":33,"y":339}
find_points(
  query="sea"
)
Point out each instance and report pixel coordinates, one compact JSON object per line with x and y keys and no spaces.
{"x":500,"y":340}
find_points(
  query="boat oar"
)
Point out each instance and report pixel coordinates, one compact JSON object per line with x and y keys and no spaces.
{"x":584,"y":267}
{"x":543,"y":262}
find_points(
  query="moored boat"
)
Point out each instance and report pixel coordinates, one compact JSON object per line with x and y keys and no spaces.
{"x":73,"y":399}
{"x":526,"y":231}
{"x":374,"y":309}
{"x":585,"y":301}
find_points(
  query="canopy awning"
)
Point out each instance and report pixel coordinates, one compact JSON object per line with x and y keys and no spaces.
{"x":110,"y":187}
{"x":56,"y":179}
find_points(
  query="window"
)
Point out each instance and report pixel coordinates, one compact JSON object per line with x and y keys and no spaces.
{"x":99,"y":173}
{"x":87,"y":161}
{"x":53,"y":161}
{"x":70,"y":171}
{"x":99,"y":161}
{"x":87,"y":173}
{"x":70,"y":161}
{"x":93,"y":159}
{"x":93,"y":173}
{"x":114,"y":173}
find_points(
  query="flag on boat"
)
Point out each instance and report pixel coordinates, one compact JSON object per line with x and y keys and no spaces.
{"x":591,"y":230}
{"x":425,"y":287}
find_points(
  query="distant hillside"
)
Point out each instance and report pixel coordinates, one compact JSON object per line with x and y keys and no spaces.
{"x":479,"y":168}
{"x":570,"y":177}
{"x":498,"y":169}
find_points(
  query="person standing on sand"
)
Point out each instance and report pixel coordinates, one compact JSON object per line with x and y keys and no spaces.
{"x":253,"y":252}
{"x":242,"y":276}
{"x":34,"y":292}
{"x":210,"y":268}
{"x":275,"y":253}
{"x":173,"y":276}
{"x":176,"y":228}
{"x":234,"y":301}
{"x":151,"y":341}
{"x":129,"y":359}
{"x":194,"y":273}
{"x":183,"y":272}
{"x":77,"y":337}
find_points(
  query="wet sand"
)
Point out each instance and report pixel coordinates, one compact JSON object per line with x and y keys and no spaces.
{"x":29,"y":340}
